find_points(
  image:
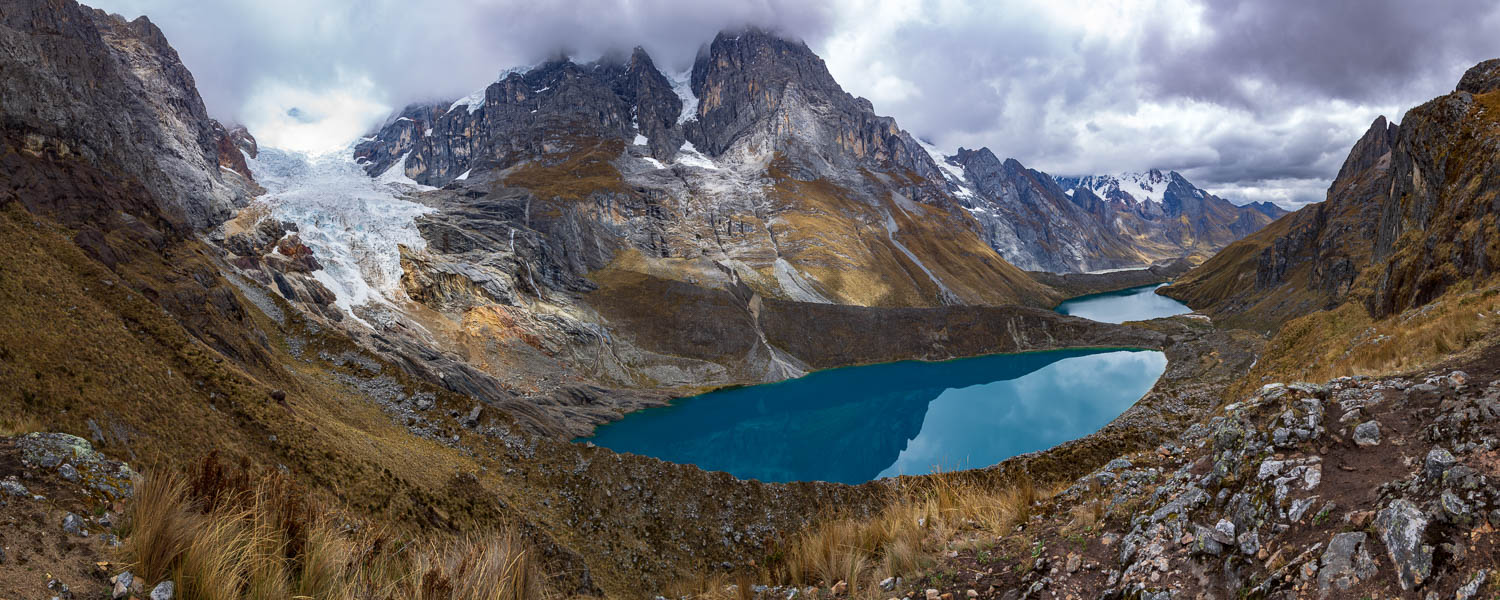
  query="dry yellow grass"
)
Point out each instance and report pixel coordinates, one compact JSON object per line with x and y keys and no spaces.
{"x":901,"y":540}
{"x":586,"y":169}
{"x":17,"y":423}
{"x":219,"y":543}
{"x":1347,"y":341}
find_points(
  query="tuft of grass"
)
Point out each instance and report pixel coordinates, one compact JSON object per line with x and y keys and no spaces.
{"x":15,"y":423}
{"x":159,"y":526}
{"x":272,"y":541}
{"x":904,"y":538}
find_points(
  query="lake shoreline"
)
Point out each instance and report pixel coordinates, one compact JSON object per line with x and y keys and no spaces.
{"x":1141,"y":303}
{"x":1075,"y":285}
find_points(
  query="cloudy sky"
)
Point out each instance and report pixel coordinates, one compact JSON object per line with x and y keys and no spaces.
{"x":1254,"y":100}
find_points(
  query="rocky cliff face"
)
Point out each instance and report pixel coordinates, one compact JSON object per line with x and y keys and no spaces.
{"x":78,"y":81}
{"x":1437,"y":224}
{"x":1034,"y":223}
{"x":1408,"y":216}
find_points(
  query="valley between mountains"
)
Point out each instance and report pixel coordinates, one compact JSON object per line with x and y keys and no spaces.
{"x":238,"y":371}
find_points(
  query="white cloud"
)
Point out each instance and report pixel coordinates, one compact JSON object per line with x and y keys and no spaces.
{"x":312,"y":120}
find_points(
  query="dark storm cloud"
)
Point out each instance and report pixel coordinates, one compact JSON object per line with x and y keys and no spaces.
{"x":434,"y":49}
{"x":1357,"y":50}
{"x":1260,"y":100}
{"x":1253,"y":100}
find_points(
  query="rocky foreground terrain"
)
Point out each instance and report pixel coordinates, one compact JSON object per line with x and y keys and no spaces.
{"x":1362,"y":487}
{"x":61,"y":504}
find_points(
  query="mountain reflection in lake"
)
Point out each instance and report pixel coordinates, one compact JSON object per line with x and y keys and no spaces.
{"x":860,"y":423}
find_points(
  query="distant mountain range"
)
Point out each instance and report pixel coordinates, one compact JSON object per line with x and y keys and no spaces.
{"x":750,"y":131}
{"x":1066,"y":224}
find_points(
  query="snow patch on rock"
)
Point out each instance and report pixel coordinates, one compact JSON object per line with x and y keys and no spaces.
{"x":475,"y":101}
{"x":953,"y":173}
{"x":689,"y":156}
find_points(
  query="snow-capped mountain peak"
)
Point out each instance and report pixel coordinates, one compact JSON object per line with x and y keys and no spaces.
{"x":1129,"y":187}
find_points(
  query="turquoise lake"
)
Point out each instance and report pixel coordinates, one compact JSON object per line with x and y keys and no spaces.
{"x":1133,"y":304}
{"x":855,"y":424}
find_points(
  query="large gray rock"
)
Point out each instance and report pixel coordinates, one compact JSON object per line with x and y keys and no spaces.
{"x":1345,"y":563}
{"x":1481,"y":78}
{"x":14,"y":488}
{"x":73,"y":524}
{"x":82,"y":82}
{"x":1223,"y":532}
{"x":75,"y":459}
{"x":1402,"y":527}
{"x":1455,"y":510}
{"x":1470,"y":590}
{"x":1367,"y":434}
{"x":122,"y":584}
{"x":1438,"y":461}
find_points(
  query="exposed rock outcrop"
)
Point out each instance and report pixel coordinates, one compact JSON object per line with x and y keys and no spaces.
{"x":82,"y":82}
{"x":1405,"y":220}
{"x":1032,"y":221}
{"x":1272,"y":498}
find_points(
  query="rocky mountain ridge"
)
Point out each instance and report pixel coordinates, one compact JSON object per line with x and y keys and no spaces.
{"x":80,"y":81}
{"x":1405,"y":220}
{"x":568,"y":188}
{"x":1072,"y":224}
{"x":754,"y":98}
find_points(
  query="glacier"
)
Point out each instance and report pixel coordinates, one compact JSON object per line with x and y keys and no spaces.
{"x":354,"y":224}
{"x":682,"y":85}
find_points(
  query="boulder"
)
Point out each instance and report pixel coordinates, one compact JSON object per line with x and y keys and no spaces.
{"x":73,"y":524}
{"x":14,"y":488}
{"x":1223,"y":532}
{"x":1367,"y":434}
{"x":122,"y":584}
{"x":1401,"y":526}
{"x":1470,"y":590}
{"x":1438,"y":461}
{"x":1481,"y":78}
{"x":1345,"y":563}
{"x":1454,"y":509}
{"x":75,"y":459}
